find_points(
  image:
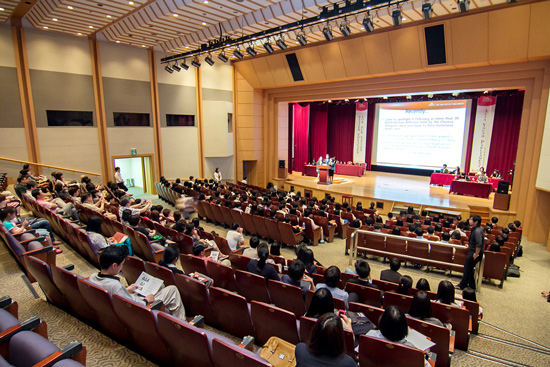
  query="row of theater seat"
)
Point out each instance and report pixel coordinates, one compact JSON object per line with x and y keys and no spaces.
{"x":428,"y":253}
{"x":26,"y":343}
{"x":277,"y":309}
{"x":158,"y":336}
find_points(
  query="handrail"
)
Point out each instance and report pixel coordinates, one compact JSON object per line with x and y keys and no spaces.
{"x":49,"y":166}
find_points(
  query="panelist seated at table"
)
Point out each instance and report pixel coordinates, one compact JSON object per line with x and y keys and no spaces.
{"x":463,"y":177}
{"x":496,"y":174}
{"x":444,"y":169}
{"x":481,"y":171}
{"x":483,"y":178}
{"x":456,"y":171}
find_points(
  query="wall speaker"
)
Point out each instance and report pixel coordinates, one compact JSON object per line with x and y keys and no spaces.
{"x":282,"y":164}
{"x":294,"y":66}
{"x":435,"y":44}
{"x":503,"y":187}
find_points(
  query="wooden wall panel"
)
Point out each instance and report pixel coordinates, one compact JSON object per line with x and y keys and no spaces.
{"x":509,"y":34}
{"x":246,"y":69}
{"x":405,"y":49}
{"x":378,"y":51}
{"x":331,"y":57}
{"x":263,"y":72}
{"x":470,"y":40}
{"x":539,"y":31}
{"x":279,"y":68}
{"x":311,"y":65}
{"x":354,"y":57}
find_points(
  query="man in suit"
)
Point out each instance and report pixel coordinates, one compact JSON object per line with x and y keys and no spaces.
{"x":391,"y":274}
{"x":444,"y":169}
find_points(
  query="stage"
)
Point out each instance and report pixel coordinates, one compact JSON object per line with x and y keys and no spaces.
{"x":391,"y":190}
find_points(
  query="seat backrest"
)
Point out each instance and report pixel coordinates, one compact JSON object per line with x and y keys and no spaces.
{"x":400,"y":301}
{"x":273,"y":229}
{"x":440,"y":252}
{"x":372,"y":313}
{"x":383,"y":353}
{"x":28,"y":349}
{"x":458,"y":317}
{"x":191,"y":264}
{"x":252,"y":286}
{"x":223,"y":276}
{"x":100,"y":301}
{"x":259,"y":223}
{"x":142,"y":326}
{"x":239,"y":261}
{"x":227,"y":355}
{"x":307,"y":324}
{"x":495,"y":265}
{"x":42,"y":273}
{"x":160,"y":272}
{"x":287,"y":297}
{"x":287,"y":235}
{"x":367,"y":295}
{"x":195,"y":298}
{"x":249,"y":223}
{"x":132,"y":268}
{"x":226,"y":213}
{"x":187,"y":344}
{"x":223,"y":245}
{"x":226,"y":306}
{"x":418,"y":248}
{"x":237,"y":217}
{"x":67,"y":283}
{"x":273,"y":321}
{"x":437,"y":334}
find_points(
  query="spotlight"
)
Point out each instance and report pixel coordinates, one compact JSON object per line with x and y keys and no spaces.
{"x":196,"y":63}
{"x":184,"y":65}
{"x":463,"y":5}
{"x":301,"y":38}
{"x":208,"y":60}
{"x":397,"y":17}
{"x":268,"y":47}
{"x":251,"y":51}
{"x":238,"y":54}
{"x":281,"y":43}
{"x":427,"y":10}
{"x":344,"y":28}
{"x":327,"y":33}
{"x":222,"y":57}
{"x":169,"y":69}
{"x":368,"y":24}
{"x":176,"y":67}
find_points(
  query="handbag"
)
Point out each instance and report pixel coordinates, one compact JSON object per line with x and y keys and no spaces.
{"x":279,"y":352}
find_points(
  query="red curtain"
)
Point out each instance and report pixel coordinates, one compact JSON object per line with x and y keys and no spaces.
{"x":504,"y":139}
{"x":341,"y":131}
{"x":301,"y":129}
{"x":318,"y":123}
{"x":473,"y":113}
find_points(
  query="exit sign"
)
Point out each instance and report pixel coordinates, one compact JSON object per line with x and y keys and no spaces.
{"x":133,"y":151}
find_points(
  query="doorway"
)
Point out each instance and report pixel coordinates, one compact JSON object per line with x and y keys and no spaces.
{"x":137,"y":172}
{"x":249,"y":171}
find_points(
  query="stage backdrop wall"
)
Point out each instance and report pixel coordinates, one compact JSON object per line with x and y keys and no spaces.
{"x":301,"y":133}
{"x":318,"y":125}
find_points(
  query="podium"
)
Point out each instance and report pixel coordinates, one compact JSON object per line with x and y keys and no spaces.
{"x":323,"y":175}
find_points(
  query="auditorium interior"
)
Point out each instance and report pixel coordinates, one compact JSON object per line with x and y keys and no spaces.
{"x":171,"y":89}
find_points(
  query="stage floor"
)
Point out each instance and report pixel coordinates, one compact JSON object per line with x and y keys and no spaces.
{"x":394,"y":187}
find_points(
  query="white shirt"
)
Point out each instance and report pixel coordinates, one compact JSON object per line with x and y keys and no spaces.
{"x":217,"y":176}
{"x":118,"y":178}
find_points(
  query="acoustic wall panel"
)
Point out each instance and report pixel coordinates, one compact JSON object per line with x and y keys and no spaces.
{"x":311,"y":64}
{"x":539,"y":29}
{"x":124,"y":62}
{"x":405,"y":49}
{"x":331,"y":57}
{"x":354,"y":57}
{"x":509,"y":34}
{"x":379,"y":54}
{"x":7,"y":56}
{"x":279,"y":68}
{"x":470,"y":40}
{"x":263,"y":72}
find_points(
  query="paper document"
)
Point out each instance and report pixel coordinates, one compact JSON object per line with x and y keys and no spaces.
{"x":147,"y":284}
{"x":419,"y":340}
{"x":214,"y":255}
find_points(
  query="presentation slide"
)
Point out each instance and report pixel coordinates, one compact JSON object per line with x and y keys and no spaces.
{"x":424,"y":134}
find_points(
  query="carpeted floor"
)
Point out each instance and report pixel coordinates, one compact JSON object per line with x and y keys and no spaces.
{"x":516,"y":313}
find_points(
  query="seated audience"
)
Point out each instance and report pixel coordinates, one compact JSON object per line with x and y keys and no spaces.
{"x":111,"y":261}
{"x":326,"y":344}
{"x":405,"y":284}
{"x":362,"y":269}
{"x":305,"y":255}
{"x":421,"y":309}
{"x":391,"y":274}
{"x":446,"y":294}
{"x":322,"y":302}
{"x":296,"y":274}
{"x":140,"y":208}
{"x":260,"y":267}
{"x":251,"y":251}
{"x":423,"y":285}
{"x":469,"y":294}
{"x":93,"y":230}
{"x":235,"y":237}
{"x":332,"y":277}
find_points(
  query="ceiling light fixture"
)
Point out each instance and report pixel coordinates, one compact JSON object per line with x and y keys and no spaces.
{"x":250,"y":50}
{"x":327,"y":32}
{"x":196,"y":62}
{"x":70,"y":7}
{"x":208,"y":60}
{"x":176,"y":67}
{"x":222,"y":57}
{"x":184,"y":65}
{"x":268,"y":47}
{"x":427,"y":10}
{"x":463,"y":5}
{"x":169,"y":69}
{"x":397,"y":17}
{"x":54,"y":19}
{"x":301,"y":38}
{"x":281,"y":43}
{"x":368,"y":24}
{"x":344,"y":28}
{"x":238,"y":54}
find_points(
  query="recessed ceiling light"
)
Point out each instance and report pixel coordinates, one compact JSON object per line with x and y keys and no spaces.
{"x":130,"y":2}
{"x":203,"y":23}
{"x":108,"y":16}
{"x":175,"y":14}
{"x":70,"y":7}
{"x":45,"y":27}
{"x":205,"y":1}
{"x":142,"y":45}
{"x":117,"y":41}
{"x":186,"y":46}
{"x":404,"y":18}
{"x":1,"y":9}
{"x":91,"y":26}
{"x":79,"y":34}
{"x":54,"y":19}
